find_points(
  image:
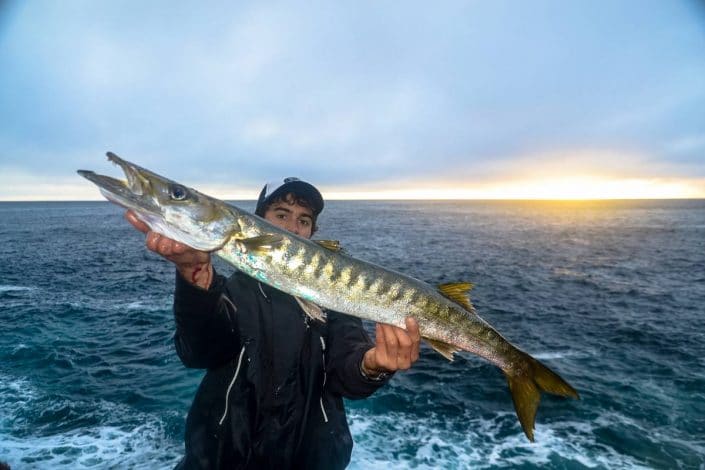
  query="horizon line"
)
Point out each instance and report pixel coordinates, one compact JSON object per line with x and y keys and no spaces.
{"x":412,"y":199}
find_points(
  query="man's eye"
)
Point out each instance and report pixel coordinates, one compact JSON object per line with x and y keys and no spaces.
{"x":305,"y":222}
{"x":281,"y":216}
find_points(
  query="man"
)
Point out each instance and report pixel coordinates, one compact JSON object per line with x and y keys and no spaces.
{"x":273,"y":393}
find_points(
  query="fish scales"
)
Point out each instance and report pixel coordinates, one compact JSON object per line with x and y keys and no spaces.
{"x":407,"y":298}
{"x":365,"y":301}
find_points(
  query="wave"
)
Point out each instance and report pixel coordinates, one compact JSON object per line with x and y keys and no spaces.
{"x":13,"y":288}
{"x":140,"y":447}
{"x":488,"y":441}
{"x":85,"y":303}
{"x":550,"y":355}
{"x":144,"y":307}
{"x":124,"y":437}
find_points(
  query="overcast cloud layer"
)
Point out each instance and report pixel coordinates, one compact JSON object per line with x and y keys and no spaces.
{"x":350,"y":94}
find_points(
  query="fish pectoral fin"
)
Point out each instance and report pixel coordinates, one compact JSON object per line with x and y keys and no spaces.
{"x":458,"y":293}
{"x":311,"y":309}
{"x":261,"y":243}
{"x":332,"y":245}
{"x":445,"y":349}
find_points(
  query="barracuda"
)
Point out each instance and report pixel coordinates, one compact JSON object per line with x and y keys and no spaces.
{"x":321,"y":276}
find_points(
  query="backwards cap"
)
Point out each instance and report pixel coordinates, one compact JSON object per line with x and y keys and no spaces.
{"x":293,"y":185}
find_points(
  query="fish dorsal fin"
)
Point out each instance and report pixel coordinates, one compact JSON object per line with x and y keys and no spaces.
{"x":332,"y":245}
{"x":261,"y":243}
{"x":311,"y":309}
{"x":443,"y":348}
{"x":457,"y":292}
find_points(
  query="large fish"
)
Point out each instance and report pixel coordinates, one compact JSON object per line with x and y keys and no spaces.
{"x":319,"y":274}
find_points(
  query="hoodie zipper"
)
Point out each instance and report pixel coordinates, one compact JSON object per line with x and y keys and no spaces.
{"x":323,"y":352}
{"x":230,"y":386}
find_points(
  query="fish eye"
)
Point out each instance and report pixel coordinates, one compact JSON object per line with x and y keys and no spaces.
{"x":178,"y":193}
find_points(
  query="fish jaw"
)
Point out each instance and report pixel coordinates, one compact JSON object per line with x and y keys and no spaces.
{"x":167,"y":207}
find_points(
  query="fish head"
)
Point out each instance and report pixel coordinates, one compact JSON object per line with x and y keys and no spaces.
{"x":167,"y":207}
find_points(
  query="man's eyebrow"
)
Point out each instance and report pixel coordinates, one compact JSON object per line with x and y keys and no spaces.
{"x":289,"y":211}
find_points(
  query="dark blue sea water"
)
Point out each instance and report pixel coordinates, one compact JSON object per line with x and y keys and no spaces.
{"x":609,"y":294}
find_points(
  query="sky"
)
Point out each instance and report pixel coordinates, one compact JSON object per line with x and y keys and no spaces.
{"x":378,"y":99}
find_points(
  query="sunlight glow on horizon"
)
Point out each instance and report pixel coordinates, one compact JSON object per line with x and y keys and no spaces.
{"x":566,"y":188}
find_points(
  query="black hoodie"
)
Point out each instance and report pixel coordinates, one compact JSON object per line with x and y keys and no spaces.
{"x":272,"y":396}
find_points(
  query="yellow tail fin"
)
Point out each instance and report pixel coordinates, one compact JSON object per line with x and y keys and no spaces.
{"x":526,"y":388}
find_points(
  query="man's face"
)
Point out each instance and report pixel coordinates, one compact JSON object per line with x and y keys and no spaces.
{"x":290,"y":216}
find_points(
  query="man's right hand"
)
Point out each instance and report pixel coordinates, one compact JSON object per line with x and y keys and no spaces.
{"x":194,"y":265}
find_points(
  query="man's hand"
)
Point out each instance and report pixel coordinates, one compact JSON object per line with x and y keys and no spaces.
{"x":195,"y":266}
{"x":395,"y":348}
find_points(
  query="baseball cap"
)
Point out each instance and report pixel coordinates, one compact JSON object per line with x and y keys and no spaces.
{"x":293,"y":185}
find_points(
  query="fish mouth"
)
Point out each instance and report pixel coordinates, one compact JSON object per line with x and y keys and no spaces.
{"x":134,"y":192}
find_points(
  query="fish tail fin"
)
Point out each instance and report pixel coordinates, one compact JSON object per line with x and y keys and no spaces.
{"x":526,"y":387}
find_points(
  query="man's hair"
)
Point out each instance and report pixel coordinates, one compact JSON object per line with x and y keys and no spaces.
{"x":292,"y":198}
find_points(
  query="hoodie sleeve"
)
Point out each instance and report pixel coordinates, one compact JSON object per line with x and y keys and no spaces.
{"x":206,"y":334}
{"x":348,"y":342}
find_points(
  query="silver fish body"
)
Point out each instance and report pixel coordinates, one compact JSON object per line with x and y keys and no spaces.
{"x":343,"y":283}
{"x":321,"y":275}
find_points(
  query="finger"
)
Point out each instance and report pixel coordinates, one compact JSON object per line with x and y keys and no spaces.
{"x":392,"y":345}
{"x":380,"y":344}
{"x":412,"y":328}
{"x":189,"y":258}
{"x":164,"y":246}
{"x":152,"y":241}
{"x":190,"y":255}
{"x":137,"y":223}
{"x":178,"y":248}
{"x":404,"y":351}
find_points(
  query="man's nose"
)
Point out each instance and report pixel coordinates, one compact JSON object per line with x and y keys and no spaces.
{"x":293,"y":226}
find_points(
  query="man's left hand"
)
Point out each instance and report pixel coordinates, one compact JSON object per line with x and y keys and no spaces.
{"x":395,"y":348}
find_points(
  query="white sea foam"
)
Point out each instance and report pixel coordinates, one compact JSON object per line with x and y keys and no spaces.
{"x":19,"y":347}
{"x":410,"y":441}
{"x":110,"y":305}
{"x":15,"y":393}
{"x":549,"y":355}
{"x":568,"y":273}
{"x":144,"y":307}
{"x":144,"y":444}
{"x":11,"y":288}
{"x":140,"y":447}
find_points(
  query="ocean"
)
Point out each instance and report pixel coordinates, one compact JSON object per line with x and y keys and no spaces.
{"x":609,"y":294}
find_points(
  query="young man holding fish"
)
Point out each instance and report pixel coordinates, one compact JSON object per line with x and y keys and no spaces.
{"x":272,"y":396}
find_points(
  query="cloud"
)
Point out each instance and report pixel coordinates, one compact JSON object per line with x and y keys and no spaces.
{"x":22,"y":186}
{"x":353,"y":94}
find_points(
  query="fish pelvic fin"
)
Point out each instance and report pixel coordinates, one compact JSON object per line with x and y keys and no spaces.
{"x":311,"y":309}
{"x":332,"y":245}
{"x":444,"y":349}
{"x":261,"y":244}
{"x":526,"y":387}
{"x":458,"y":293}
